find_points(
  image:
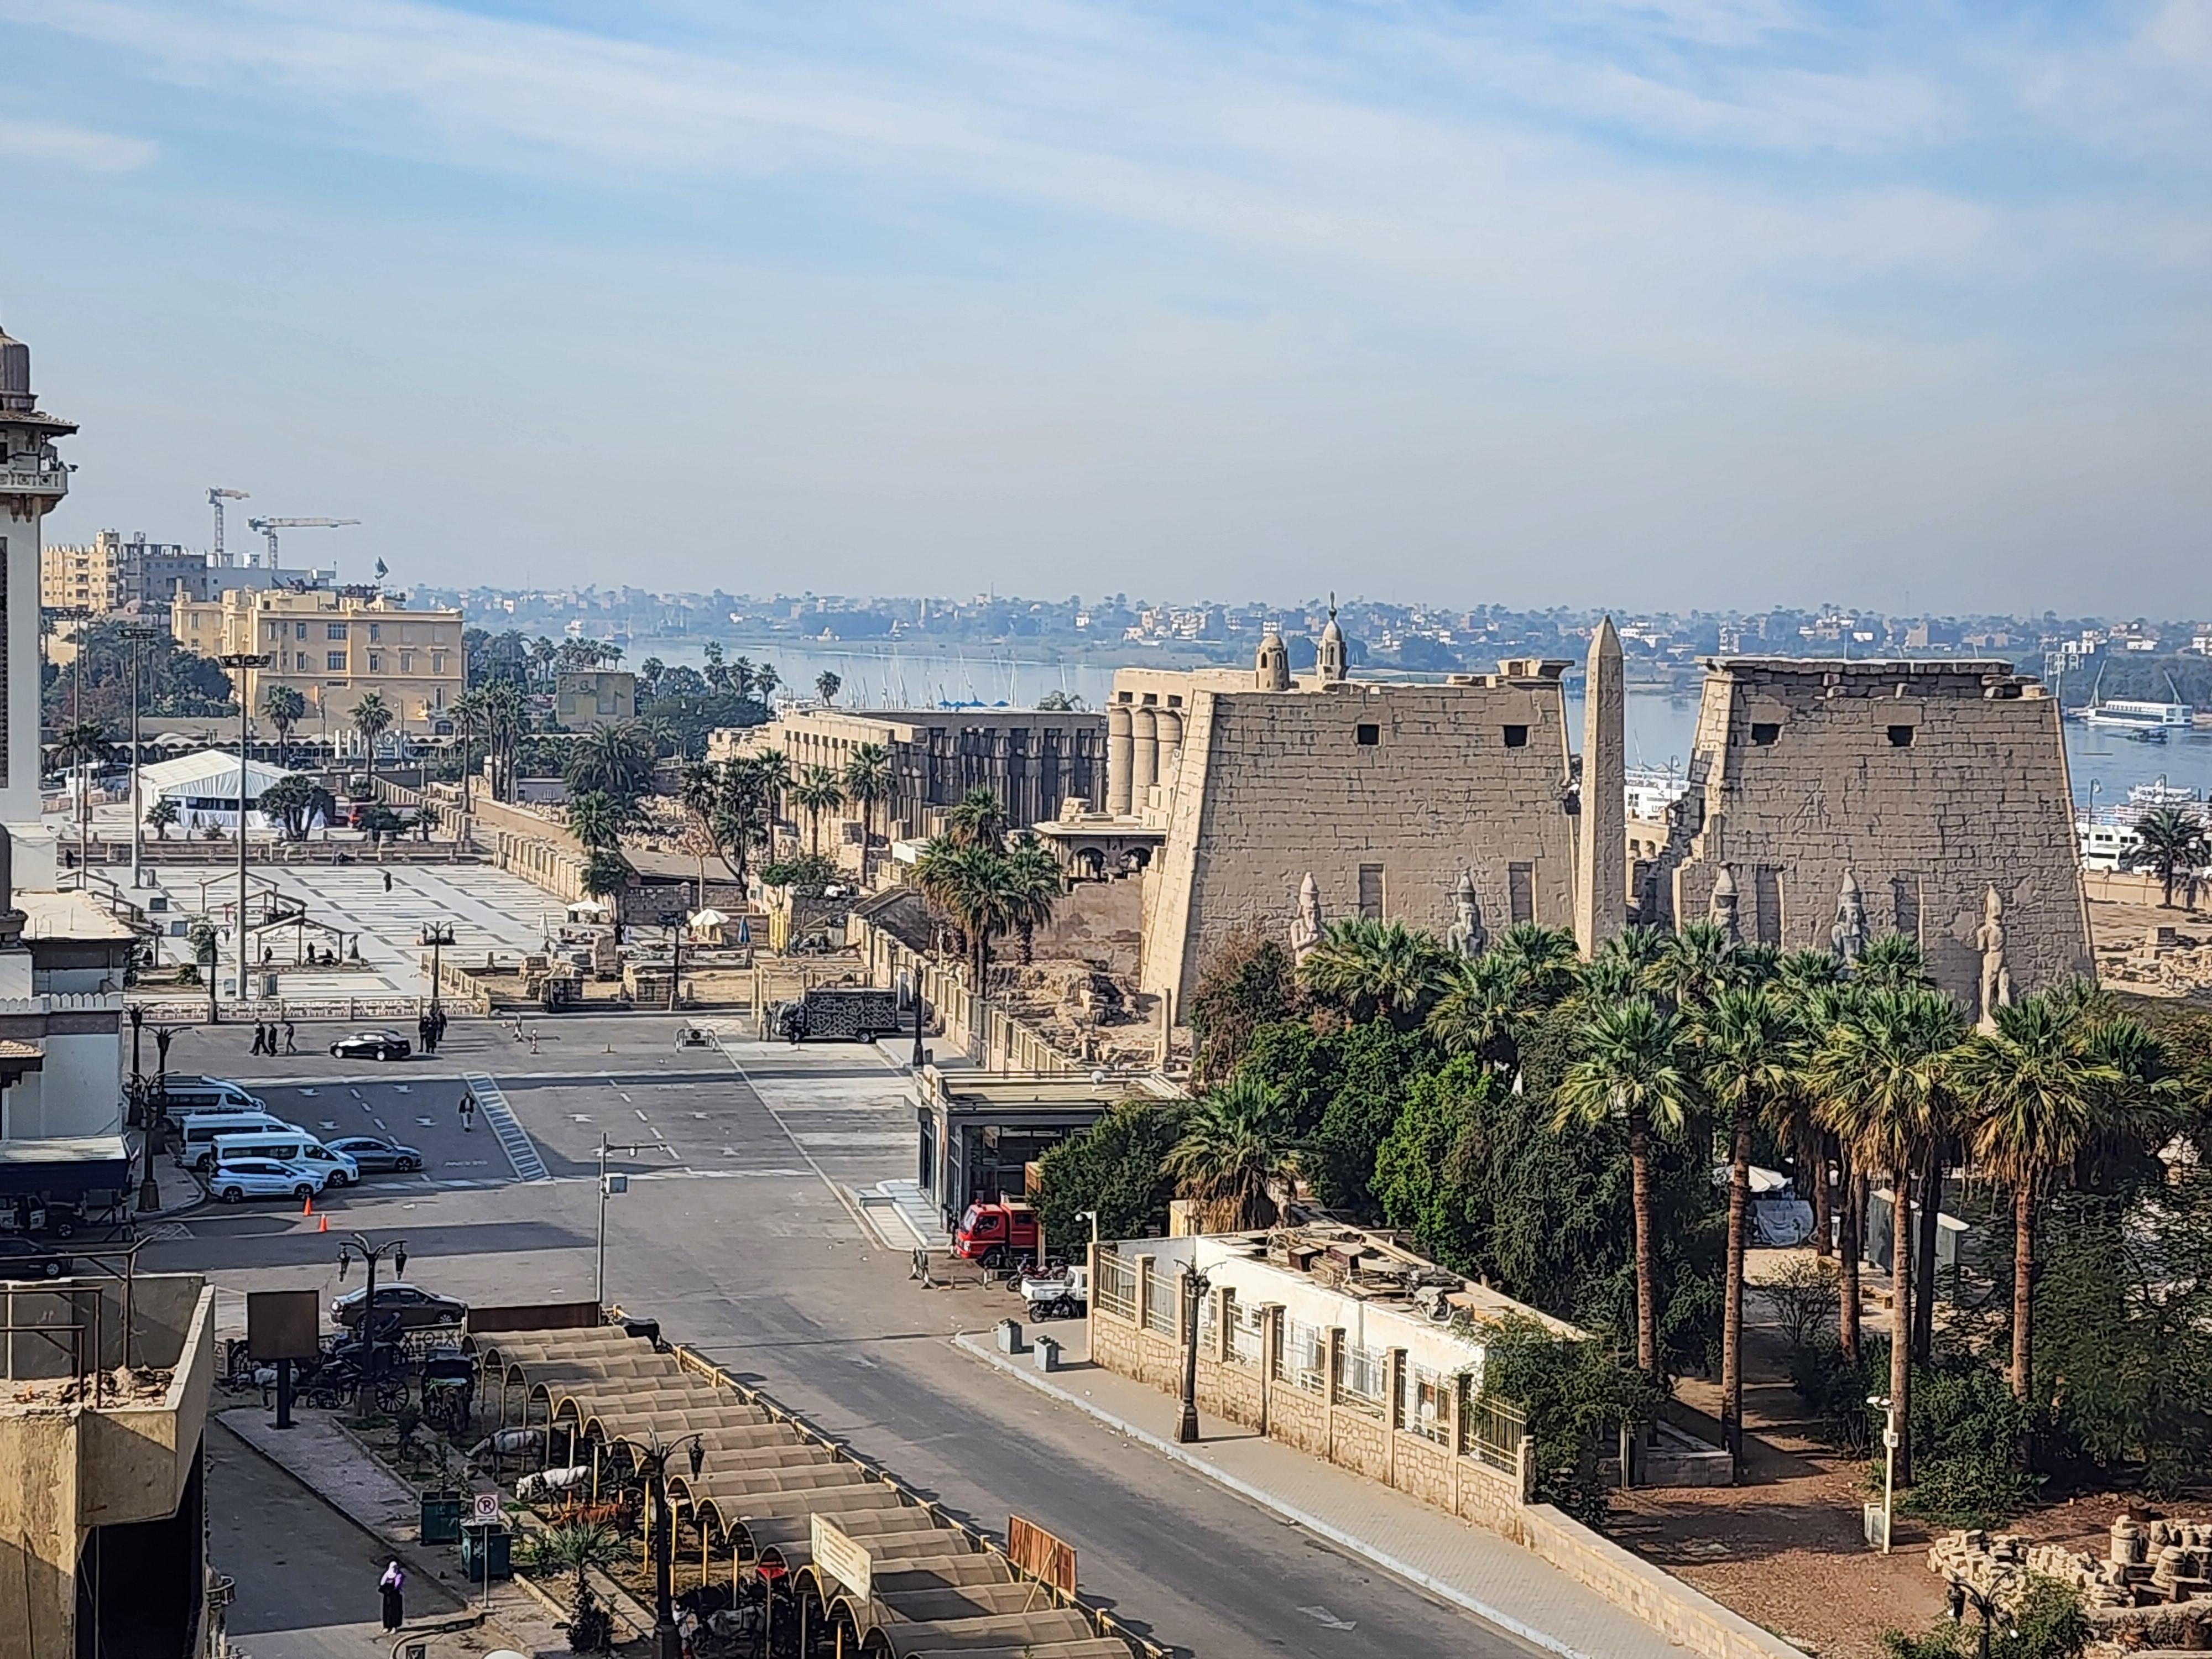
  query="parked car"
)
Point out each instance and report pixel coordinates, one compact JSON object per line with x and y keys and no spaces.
{"x":372,"y":1045}
{"x":264,"y":1177}
{"x":188,"y":1094}
{"x":290,"y":1145}
{"x":373,"y":1155}
{"x":27,"y":1258}
{"x":415,"y":1306}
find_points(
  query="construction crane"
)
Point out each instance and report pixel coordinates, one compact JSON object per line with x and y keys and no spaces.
{"x":215,"y":499}
{"x":269,"y":527}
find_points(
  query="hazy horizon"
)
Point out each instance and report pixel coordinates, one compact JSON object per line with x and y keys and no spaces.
{"x":1690,"y":304}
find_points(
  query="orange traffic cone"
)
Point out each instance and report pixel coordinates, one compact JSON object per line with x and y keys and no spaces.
{"x":322,"y":1224}
{"x":308,"y":1205}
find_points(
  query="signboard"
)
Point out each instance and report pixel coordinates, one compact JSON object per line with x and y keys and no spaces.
{"x":1877,"y":1528}
{"x":483,"y":1509}
{"x":1041,"y":1556}
{"x":842,"y":1558}
{"x":282,"y":1324}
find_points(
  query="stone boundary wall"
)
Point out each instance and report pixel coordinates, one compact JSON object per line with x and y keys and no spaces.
{"x":985,"y":1033}
{"x":1352,"y":1436}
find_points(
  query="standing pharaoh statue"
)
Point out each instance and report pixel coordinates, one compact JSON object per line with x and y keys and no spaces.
{"x":1305,"y":928}
{"x":1467,"y":938}
{"x":1997,"y":974}
{"x":1847,"y":938}
{"x":1722,"y":911}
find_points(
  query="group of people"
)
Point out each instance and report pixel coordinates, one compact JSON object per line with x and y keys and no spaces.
{"x":430,"y":1030}
{"x":265,"y":1039}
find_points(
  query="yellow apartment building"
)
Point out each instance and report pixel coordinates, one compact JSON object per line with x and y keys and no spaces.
{"x":334,"y":644}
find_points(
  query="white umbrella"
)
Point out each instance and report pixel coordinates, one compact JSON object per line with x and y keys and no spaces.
{"x":709,"y":917}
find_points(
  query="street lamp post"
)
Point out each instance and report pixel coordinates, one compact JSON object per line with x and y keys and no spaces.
{"x":370,"y":1253}
{"x":1195,"y":1284}
{"x":653,"y":1463}
{"x":437,"y":935}
{"x":606,"y":1190}
{"x":239,"y":662}
{"x":921,"y":1053}
{"x":1887,"y":1407}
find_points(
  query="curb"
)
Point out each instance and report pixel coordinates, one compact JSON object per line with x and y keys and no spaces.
{"x":967,"y":1341}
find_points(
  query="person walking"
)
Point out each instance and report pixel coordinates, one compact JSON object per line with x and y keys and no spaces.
{"x":260,"y":1039}
{"x":393,"y":1585}
{"x":423,"y":1033}
{"x":387,"y":881}
{"x":289,"y":1047}
{"x":468,"y":1111}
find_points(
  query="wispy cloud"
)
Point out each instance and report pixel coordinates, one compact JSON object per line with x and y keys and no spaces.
{"x":73,"y":146}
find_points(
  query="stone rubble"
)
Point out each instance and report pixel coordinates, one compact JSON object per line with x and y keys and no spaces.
{"x":2148,"y":1564}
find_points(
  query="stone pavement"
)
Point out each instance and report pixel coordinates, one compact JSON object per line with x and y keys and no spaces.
{"x":1478,"y":1570}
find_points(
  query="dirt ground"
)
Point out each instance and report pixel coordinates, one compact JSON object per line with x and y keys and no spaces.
{"x":2182,"y":970}
{"x":1786,"y":1550}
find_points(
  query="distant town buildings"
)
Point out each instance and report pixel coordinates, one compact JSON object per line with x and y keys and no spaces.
{"x":109,"y":575}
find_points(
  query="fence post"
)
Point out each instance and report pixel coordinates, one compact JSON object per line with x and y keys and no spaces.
{"x":1144,"y":1309}
{"x":1225,"y":1325}
{"x":1524,"y":1455}
{"x":1331,"y":1368}
{"x":1394,"y":1400}
{"x":1271,"y":1343}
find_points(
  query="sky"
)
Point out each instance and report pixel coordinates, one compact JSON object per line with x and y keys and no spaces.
{"x":1719,"y":303}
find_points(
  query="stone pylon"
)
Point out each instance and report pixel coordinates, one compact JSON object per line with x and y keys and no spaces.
{"x":1602,"y":839}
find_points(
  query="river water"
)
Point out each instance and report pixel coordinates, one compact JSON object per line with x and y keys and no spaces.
{"x":2103,"y":763}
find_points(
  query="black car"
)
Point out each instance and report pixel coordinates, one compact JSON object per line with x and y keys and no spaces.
{"x":27,"y":1258}
{"x":413,"y":1307}
{"x":374,"y":1154}
{"x":372,"y":1045}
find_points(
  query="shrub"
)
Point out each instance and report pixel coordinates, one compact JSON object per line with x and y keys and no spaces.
{"x":1575,"y":1396}
{"x":1803,"y":1295}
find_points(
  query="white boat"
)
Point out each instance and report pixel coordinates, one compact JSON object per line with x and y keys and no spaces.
{"x":2140,"y":716}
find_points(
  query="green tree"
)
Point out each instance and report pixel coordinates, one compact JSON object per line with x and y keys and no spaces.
{"x":818,"y":791}
{"x":2172,"y":842}
{"x":579,"y":1548}
{"x":1370,"y":969}
{"x":1234,"y":1151}
{"x":160,"y":815}
{"x":1034,"y":888}
{"x":1884,"y":1075}
{"x":2036,"y":1092}
{"x":1892,"y":961}
{"x":1116,"y":1169}
{"x":1628,"y":1064}
{"x":1248,"y":983}
{"x":82,"y":742}
{"x":616,"y":761}
{"x":296,"y":801}
{"x":1746,"y":1065}
{"x":1421,"y":1176}
{"x":372,"y":717}
{"x":1695,"y":965}
{"x":1574,"y":1396}
{"x":968,"y":884}
{"x":283,"y":707}
{"x":867,"y":780}
{"x":978,"y":820}
{"x":597,"y":820}
{"x":827,"y":686}
{"x":1542,"y":960}
{"x":1478,"y":1008}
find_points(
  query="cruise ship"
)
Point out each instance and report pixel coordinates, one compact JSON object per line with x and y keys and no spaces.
{"x":2107,"y":837}
{"x":2140,"y":716}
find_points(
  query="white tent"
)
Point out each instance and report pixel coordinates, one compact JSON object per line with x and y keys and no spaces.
{"x":204,"y":786}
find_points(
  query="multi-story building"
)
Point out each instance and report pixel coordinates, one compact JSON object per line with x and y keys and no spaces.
{"x":334,"y":645}
{"x":585,"y":698}
{"x":111,"y":573}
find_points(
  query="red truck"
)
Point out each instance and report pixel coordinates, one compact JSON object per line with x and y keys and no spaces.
{"x":995,"y":1233}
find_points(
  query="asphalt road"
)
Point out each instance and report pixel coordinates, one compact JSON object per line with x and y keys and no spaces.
{"x":733,"y":1237}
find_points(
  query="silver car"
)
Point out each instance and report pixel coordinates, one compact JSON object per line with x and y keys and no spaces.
{"x":374,"y":1155}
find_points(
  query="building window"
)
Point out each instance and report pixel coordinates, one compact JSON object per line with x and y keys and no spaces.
{"x":1765,"y":732}
{"x":334,"y":630}
{"x":1900,"y":737}
{"x":375,"y":663}
{"x":437,"y":662}
{"x":300,"y":661}
{"x":1521,"y":892}
{"x":407,"y":662}
{"x":1368,"y":735}
{"x":299,"y":630}
{"x":376,"y":630}
{"x":1370,"y":891}
{"x":336,"y":661}
{"x":1516,"y":737}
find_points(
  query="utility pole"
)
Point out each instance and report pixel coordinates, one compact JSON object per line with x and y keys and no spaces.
{"x":599,"y":1267}
{"x":437,"y":935}
{"x":238,"y":662}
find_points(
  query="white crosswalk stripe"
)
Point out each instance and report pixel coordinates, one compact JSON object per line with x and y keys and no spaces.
{"x":520,"y":1151}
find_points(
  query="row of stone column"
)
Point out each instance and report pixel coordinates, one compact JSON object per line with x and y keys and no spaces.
{"x":1144,"y":746}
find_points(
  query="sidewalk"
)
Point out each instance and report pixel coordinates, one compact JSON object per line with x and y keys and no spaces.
{"x":318,"y":1453}
{"x":1497,"y":1581}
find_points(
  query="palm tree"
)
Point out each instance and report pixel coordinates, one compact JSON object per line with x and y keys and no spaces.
{"x":615,"y":760}
{"x":700,"y":794}
{"x":1627,"y":963}
{"x":816,"y":792}
{"x":1034,"y":886}
{"x":828,"y":685}
{"x":579,"y":1547}
{"x":1892,"y":961}
{"x":1695,"y":965}
{"x":765,"y":680}
{"x":1816,"y":1003}
{"x":772,"y":769}
{"x":867,"y":780}
{"x":1884,"y":1074}
{"x":978,"y":821}
{"x":372,"y":717}
{"x":968,"y":885}
{"x":2037,"y":1091}
{"x":1746,"y":1062}
{"x":1370,"y":968}
{"x":1478,"y":1008}
{"x":1542,"y":959}
{"x":506,"y":718}
{"x":161,"y":814}
{"x":742,"y":819}
{"x":82,"y":742}
{"x":606,"y":873}
{"x":595,"y":819}
{"x":283,"y":707}
{"x":2172,"y":842}
{"x":1234,"y":1152}
{"x":1628,"y":1063}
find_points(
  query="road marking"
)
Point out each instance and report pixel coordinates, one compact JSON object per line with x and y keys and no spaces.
{"x":641,"y":1117}
{"x":311,"y":1093}
{"x":821,"y":1175}
{"x":329,"y":1123}
{"x":1324,"y":1617}
{"x":427,"y":1122}
{"x":513,"y":1139}
{"x":578,"y":1117}
{"x":167,"y":1233}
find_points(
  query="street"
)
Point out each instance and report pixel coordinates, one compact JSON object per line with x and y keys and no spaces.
{"x":733,"y":1237}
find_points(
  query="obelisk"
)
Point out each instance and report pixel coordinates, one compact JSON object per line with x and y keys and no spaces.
{"x":1602,"y":840}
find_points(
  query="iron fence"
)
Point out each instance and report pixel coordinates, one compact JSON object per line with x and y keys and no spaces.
{"x":1303,"y":1357}
{"x":1160,"y":1305}
{"x":1116,"y":1288}
{"x":1361,"y":1378}
{"x":1421,"y":1407}
{"x":1248,"y":1329}
{"x":1492,"y":1432}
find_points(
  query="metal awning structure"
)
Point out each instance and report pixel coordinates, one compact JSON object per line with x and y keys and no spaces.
{"x":64,"y":1168}
{"x":765,"y":1478}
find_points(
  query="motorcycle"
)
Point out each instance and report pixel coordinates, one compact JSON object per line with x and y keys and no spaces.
{"x":1062,"y":1293}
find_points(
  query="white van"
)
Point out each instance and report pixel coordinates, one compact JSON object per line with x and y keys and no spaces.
{"x":288,"y":1144}
{"x":189,"y":1096}
{"x":195,"y":1144}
